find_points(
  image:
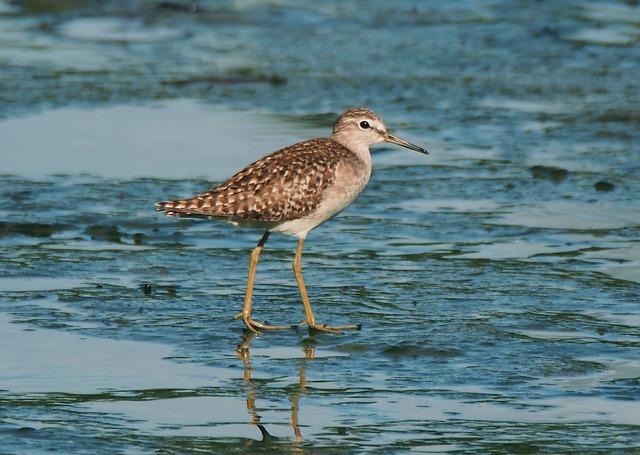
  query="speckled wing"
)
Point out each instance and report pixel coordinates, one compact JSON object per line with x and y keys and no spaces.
{"x":285,"y":185}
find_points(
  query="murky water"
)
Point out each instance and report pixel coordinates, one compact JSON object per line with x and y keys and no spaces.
{"x":497,"y":280}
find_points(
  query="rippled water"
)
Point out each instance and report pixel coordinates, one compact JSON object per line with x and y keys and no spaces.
{"x":497,"y":280}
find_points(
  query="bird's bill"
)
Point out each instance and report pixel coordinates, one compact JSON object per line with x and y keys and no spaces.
{"x":401,"y":142}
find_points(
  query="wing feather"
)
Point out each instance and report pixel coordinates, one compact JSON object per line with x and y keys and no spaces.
{"x":285,"y":185}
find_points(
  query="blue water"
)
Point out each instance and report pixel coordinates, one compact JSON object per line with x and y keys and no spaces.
{"x":497,"y":280}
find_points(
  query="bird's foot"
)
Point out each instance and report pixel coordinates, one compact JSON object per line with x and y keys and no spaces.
{"x":329,"y":328}
{"x":256,"y":326}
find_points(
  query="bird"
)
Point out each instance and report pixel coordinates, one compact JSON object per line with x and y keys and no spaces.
{"x":292,"y":191}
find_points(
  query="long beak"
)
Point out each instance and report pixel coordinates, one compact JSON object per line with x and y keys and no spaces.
{"x":401,"y":142}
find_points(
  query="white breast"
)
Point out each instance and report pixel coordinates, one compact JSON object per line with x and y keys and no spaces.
{"x":350,"y":181}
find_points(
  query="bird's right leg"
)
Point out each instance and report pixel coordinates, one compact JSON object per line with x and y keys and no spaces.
{"x":311,"y":319}
{"x":246,"y":311}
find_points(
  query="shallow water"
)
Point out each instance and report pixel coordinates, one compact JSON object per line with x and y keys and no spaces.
{"x":497,"y":280}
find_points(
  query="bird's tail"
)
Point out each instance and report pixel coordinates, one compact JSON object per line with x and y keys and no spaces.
{"x":170,"y":208}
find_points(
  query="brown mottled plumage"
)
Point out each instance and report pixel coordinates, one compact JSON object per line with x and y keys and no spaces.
{"x":294,"y":190}
{"x":284,"y":185}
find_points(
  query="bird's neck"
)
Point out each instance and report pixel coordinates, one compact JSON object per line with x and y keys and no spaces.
{"x":361,"y":150}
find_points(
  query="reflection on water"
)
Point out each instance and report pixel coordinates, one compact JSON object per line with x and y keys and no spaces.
{"x":118,"y":30}
{"x":572,"y":216}
{"x":74,"y":141}
{"x":43,"y":361}
{"x":244,"y":353}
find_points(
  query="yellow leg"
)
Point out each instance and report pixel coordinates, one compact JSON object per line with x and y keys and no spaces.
{"x":246,"y":311}
{"x":311,"y":320}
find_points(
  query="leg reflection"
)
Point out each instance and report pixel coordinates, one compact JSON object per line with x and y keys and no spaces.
{"x":243,"y":352}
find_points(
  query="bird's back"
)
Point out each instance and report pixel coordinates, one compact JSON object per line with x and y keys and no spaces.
{"x":288,"y":184}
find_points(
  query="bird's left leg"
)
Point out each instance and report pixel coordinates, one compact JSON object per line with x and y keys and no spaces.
{"x":246,"y":311}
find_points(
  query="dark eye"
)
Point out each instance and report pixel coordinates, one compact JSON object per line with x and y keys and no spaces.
{"x":364,"y":125}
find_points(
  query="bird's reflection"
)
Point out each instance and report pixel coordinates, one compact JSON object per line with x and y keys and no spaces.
{"x":243,"y":351}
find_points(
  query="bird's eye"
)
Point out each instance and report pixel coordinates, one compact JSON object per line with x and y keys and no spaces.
{"x":364,"y":125}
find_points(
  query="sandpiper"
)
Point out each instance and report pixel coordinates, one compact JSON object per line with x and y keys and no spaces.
{"x":293,"y":191}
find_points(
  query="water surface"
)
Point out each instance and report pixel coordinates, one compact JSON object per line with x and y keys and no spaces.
{"x":497,"y":280}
